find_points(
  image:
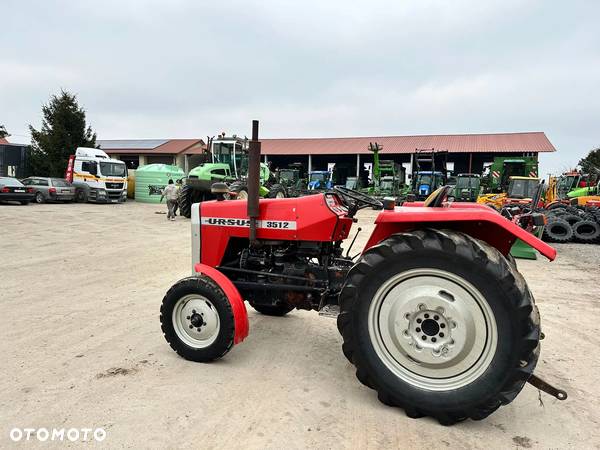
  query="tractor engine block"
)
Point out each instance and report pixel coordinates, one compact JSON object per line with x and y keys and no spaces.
{"x":305,"y":275}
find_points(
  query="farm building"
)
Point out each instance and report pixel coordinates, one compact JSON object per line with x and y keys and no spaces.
{"x":466,"y":152}
{"x":186,"y":153}
{"x":13,"y":159}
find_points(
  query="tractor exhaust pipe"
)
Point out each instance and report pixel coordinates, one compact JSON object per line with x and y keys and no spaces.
{"x":253,"y":181}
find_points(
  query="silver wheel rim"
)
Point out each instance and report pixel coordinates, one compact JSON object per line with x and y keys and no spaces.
{"x":433,"y":329}
{"x":242,"y":195}
{"x":280,"y":194}
{"x":39,"y":198}
{"x":196,"y":321}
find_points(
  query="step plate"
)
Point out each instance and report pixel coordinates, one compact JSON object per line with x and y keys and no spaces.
{"x":330,"y":311}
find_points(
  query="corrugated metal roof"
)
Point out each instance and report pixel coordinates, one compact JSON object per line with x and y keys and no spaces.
{"x":456,"y":143}
{"x":3,"y":141}
{"x":152,"y":146}
{"x":122,"y":144}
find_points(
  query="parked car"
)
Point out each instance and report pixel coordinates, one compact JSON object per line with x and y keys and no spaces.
{"x":12,"y":190}
{"x":50,"y":189}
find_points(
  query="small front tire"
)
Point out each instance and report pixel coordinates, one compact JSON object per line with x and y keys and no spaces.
{"x":197,"y":319}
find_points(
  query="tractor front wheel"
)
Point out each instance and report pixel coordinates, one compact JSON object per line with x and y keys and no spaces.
{"x":439,"y":324}
{"x":197,"y":320}
{"x":276,"y":191}
{"x":239,"y":191}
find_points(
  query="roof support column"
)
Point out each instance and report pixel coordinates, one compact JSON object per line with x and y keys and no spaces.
{"x":470,"y":162}
{"x":185,"y":164}
{"x":309,"y":163}
{"x":357,"y":165}
{"x":266,"y":159}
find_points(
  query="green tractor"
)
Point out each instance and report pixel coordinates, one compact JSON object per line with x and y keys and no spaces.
{"x":388,"y":176}
{"x":228,"y":164}
{"x":467,"y":188}
{"x":292,"y":180}
{"x":497,"y":177}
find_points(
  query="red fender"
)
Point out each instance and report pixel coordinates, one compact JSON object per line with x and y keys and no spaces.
{"x":240,"y":315}
{"x":477,"y":220}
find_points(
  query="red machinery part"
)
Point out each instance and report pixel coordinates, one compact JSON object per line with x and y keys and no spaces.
{"x":474,"y":219}
{"x":311,"y":218}
{"x":240,"y":315}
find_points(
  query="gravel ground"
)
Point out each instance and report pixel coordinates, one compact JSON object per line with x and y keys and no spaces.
{"x":80,"y":293}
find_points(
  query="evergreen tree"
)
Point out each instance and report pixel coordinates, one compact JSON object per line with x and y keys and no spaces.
{"x":591,"y":163}
{"x":63,"y":130}
{"x":3,"y":132}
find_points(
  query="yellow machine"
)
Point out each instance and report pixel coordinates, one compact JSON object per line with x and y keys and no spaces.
{"x":520,"y":190}
{"x":494,"y":200}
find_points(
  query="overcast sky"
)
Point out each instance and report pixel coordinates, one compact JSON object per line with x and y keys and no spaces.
{"x":184,"y":68}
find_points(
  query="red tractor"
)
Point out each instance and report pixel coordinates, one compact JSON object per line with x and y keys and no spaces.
{"x":434,"y":314}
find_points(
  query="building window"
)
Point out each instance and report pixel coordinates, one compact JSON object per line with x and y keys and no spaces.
{"x":131,"y":161}
{"x":159,"y":159}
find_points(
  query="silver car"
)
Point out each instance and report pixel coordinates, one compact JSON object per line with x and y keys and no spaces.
{"x":50,"y":189}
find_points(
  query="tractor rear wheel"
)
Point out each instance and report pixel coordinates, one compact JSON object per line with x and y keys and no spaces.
{"x":278,"y":310}
{"x":439,"y":324}
{"x":276,"y":191}
{"x":197,"y":320}
{"x":185,"y":201}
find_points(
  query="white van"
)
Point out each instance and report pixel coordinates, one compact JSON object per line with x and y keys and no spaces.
{"x":97,"y":177}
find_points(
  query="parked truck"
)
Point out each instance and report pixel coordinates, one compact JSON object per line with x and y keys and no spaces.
{"x":96,"y":177}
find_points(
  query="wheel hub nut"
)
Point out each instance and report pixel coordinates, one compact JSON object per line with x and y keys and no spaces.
{"x":197,"y":320}
{"x":430,"y":329}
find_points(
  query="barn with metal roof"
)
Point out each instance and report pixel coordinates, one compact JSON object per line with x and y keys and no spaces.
{"x":186,"y":153}
{"x":466,"y":152}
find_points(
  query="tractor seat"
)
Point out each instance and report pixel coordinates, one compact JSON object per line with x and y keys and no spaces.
{"x":437,"y":197}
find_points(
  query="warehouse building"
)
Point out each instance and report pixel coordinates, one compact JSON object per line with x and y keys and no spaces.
{"x":185,"y":153}
{"x":467,"y":153}
{"x":13,"y":159}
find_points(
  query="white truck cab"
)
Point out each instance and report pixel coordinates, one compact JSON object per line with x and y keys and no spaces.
{"x":97,"y":177}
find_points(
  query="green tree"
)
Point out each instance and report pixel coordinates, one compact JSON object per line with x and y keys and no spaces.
{"x":591,"y":163}
{"x":3,"y":132}
{"x":63,"y":130}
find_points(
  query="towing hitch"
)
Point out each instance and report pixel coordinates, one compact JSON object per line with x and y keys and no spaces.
{"x":547,"y":387}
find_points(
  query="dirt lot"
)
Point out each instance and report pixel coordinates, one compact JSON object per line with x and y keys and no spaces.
{"x":82,"y":347}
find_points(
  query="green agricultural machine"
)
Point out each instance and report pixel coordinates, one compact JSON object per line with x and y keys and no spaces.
{"x":467,"y":187}
{"x":388,"y":176}
{"x":228,"y":164}
{"x":497,"y":176}
{"x":292,"y":179}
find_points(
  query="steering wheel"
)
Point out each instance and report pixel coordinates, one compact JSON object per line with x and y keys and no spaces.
{"x":438,"y":197}
{"x":361,"y":199}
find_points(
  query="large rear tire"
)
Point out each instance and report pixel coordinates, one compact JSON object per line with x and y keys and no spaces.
{"x":197,"y":320}
{"x":185,"y":201}
{"x":439,"y":324}
{"x":587,"y":231}
{"x":557,"y":230}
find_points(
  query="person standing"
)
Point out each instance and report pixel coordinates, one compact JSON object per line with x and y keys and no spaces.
{"x":178,"y":184}
{"x":170,"y":193}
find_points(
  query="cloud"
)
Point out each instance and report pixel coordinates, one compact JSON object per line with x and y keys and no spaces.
{"x":191,"y":68}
